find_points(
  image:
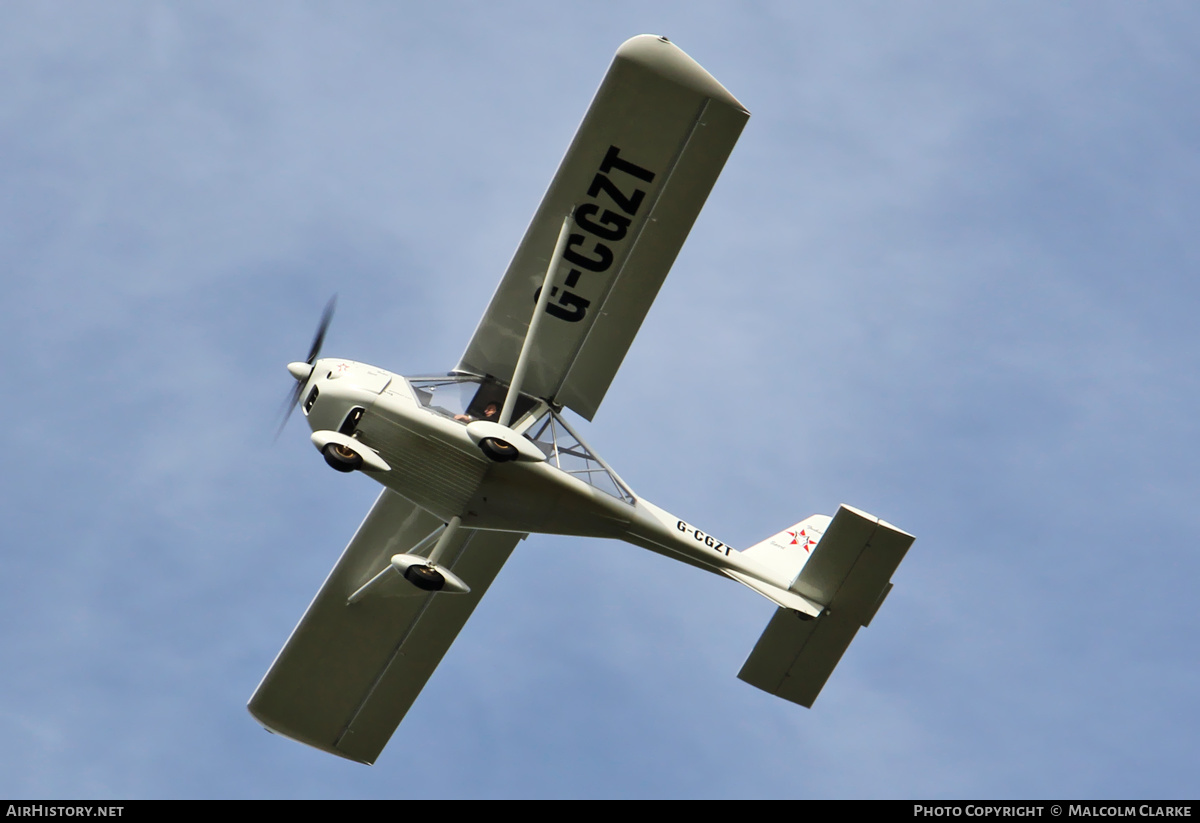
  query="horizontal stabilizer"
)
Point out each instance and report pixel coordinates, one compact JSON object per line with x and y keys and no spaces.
{"x":850,"y":568}
{"x":794,"y":657}
{"x":849,"y":573}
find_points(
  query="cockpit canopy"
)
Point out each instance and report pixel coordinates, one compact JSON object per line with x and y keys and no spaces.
{"x":467,"y":398}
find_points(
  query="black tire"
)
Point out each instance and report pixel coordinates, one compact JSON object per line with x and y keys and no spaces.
{"x":342,"y":458}
{"x":425,"y":578}
{"x":498,"y":450}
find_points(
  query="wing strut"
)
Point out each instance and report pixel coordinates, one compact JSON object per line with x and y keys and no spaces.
{"x":439,"y":578}
{"x":443,"y":541}
{"x":539,"y":310}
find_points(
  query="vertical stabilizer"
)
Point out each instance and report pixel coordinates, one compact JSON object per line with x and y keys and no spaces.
{"x":788,"y":551}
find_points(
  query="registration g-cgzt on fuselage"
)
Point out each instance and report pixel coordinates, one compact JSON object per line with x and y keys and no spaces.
{"x":474,"y":460}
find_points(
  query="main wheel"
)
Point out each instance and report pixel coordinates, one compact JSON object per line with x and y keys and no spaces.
{"x":342,"y":458}
{"x":425,"y":578}
{"x":498,"y":450}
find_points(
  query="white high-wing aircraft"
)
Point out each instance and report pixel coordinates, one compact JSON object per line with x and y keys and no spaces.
{"x":474,"y":460}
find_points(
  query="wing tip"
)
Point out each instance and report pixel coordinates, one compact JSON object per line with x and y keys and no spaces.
{"x":659,"y":54}
{"x":273,"y":726}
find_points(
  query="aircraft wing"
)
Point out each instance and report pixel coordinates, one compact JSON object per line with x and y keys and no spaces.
{"x":636,"y":175}
{"x":349,"y":673}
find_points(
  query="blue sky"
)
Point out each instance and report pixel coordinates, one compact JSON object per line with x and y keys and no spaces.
{"x":948,"y":276}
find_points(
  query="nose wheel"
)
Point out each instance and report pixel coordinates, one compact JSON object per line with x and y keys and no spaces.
{"x":342,"y":458}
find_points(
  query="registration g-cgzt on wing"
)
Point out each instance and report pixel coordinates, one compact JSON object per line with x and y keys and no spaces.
{"x":474,"y":460}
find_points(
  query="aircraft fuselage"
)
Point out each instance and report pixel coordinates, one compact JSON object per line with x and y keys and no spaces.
{"x":434,"y":462}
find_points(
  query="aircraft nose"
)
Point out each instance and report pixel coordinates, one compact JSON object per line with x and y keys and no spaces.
{"x":300,"y":371}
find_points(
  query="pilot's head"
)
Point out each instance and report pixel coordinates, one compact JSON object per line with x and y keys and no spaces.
{"x":491,"y":410}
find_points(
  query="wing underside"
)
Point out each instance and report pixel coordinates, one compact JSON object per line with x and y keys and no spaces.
{"x":635,"y":177}
{"x":349,"y":673}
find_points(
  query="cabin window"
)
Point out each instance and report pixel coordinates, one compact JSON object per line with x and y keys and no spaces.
{"x":566,"y":452}
{"x":467,"y":398}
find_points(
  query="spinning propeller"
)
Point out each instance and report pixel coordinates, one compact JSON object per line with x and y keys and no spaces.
{"x":302,"y":371}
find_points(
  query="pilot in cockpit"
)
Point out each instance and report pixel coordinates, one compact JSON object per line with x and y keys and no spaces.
{"x":490,"y":412}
